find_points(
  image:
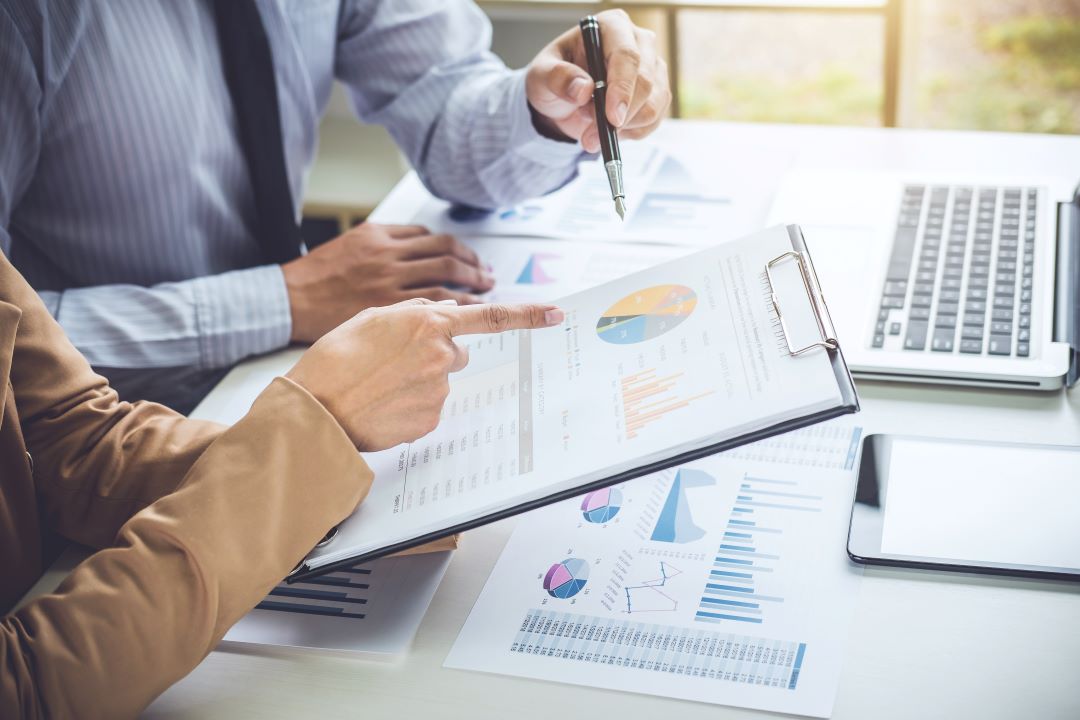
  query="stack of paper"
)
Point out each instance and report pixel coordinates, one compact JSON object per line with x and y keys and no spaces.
{"x":373,"y":608}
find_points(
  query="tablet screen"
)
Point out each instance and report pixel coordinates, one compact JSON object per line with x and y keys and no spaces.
{"x":983,"y":503}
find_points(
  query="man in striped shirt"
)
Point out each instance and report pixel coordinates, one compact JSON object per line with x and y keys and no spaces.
{"x":133,"y":201}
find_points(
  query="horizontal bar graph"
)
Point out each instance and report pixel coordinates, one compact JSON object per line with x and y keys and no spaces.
{"x":341,"y":593}
{"x":647,"y":398}
{"x":741,"y":567}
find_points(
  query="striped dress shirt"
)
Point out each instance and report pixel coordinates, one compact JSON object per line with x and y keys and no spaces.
{"x":124,"y":195}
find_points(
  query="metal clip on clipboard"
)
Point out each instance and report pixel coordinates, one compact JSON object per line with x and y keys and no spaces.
{"x":813,"y":294}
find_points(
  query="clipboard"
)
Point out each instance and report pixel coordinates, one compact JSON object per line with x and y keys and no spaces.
{"x":826,"y":342}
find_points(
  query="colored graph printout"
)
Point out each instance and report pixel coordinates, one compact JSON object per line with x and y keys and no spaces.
{"x":646,"y":314}
{"x":751,"y":610}
{"x":373,"y":608}
{"x":647,"y":399}
{"x":601,"y":506}
{"x":676,"y":524}
{"x":567,"y":578}
{"x":534,"y":272}
{"x":653,"y":595}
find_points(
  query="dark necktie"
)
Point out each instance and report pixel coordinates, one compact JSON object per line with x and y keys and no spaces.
{"x":249,"y":74}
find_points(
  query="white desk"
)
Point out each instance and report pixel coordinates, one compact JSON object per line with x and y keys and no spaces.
{"x":922,"y":644}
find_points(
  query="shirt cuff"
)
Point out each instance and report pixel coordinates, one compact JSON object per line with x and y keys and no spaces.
{"x":526,"y":141}
{"x":241,"y":313}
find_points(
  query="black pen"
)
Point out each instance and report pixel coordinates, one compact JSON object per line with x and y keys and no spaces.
{"x":609,"y":141}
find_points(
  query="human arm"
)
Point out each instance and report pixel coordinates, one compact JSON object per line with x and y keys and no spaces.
{"x":477,"y":132}
{"x":423,"y":70}
{"x":200,"y":523}
{"x":206,"y":322}
{"x":136,"y":617}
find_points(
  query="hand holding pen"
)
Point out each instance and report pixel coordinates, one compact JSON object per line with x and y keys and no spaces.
{"x":559,"y":87}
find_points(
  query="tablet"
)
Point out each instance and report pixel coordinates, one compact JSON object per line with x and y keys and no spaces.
{"x":1003,"y":508}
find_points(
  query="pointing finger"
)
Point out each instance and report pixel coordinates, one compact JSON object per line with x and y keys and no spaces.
{"x":496,"y":317}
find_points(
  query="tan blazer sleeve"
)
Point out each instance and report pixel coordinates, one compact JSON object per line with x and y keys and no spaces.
{"x":135,"y":618}
{"x":208,"y":520}
{"x":97,"y":460}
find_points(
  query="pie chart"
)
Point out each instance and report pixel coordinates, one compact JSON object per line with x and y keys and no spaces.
{"x":646,"y":314}
{"x":601,"y":505}
{"x":566,"y":579}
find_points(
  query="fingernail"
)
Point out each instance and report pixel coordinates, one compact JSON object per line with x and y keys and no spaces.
{"x":489,"y":267}
{"x":576,"y":87}
{"x":620,"y":113}
{"x":449,"y":301}
{"x":487,"y":278}
{"x":554,"y":316}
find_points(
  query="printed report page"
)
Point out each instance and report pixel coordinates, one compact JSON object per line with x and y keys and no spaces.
{"x":677,"y":357}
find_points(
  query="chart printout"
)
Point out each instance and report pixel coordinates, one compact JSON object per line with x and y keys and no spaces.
{"x":673,"y":358}
{"x":676,"y":197}
{"x":371,"y":608}
{"x":724,"y":580}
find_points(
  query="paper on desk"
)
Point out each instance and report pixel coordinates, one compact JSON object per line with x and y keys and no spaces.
{"x":676,"y":195}
{"x":614,"y":388}
{"x":654,"y":364}
{"x":722,"y":581}
{"x":543,"y":270}
{"x":375,"y":608}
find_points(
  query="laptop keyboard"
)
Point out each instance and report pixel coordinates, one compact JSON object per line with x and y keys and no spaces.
{"x":968,"y":288}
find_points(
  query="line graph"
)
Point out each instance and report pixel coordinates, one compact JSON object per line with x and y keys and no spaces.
{"x":649,"y":597}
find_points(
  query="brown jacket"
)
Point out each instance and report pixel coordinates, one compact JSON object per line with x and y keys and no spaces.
{"x":199,"y":522}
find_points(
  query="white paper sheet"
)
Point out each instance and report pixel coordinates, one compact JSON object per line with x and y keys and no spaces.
{"x":676,"y":195}
{"x":373,"y":608}
{"x":722,"y":581}
{"x":674,"y":358}
{"x":542,"y":269}
{"x":651,"y":364}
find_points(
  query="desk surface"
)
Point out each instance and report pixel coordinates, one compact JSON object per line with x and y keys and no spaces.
{"x":922,"y":644}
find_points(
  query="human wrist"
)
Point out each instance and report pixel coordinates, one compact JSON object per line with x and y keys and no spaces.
{"x":298,"y":306}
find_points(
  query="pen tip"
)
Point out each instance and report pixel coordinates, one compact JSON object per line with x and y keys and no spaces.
{"x":620,"y":207}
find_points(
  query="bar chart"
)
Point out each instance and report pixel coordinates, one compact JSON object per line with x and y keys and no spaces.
{"x":725,"y":581}
{"x":750,"y":550}
{"x":647,"y":398}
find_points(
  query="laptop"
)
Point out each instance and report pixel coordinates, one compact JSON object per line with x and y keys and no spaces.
{"x":952,"y":280}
